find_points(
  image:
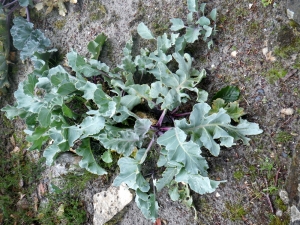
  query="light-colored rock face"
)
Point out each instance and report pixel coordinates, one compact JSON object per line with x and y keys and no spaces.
{"x":293,"y":10}
{"x":108,"y":203}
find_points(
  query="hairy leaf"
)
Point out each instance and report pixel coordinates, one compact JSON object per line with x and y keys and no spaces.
{"x":144,"y":31}
{"x":204,"y":129}
{"x":197,"y":183}
{"x":26,"y":39}
{"x":123,"y":142}
{"x":179,"y":150}
{"x":95,"y":46}
{"x":130,"y":174}
{"x":147,"y":205}
{"x":177,"y":24}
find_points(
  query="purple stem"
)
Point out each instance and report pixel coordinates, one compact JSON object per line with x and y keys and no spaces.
{"x":165,"y":128}
{"x":181,"y":114}
{"x":161,"y":118}
{"x":174,"y":110}
{"x":9,"y":4}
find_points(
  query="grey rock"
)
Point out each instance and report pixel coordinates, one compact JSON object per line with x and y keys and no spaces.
{"x":293,"y":10}
{"x":108,"y":203}
{"x":295,"y":215}
{"x":284,"y":196}
{"x":279,"y":213}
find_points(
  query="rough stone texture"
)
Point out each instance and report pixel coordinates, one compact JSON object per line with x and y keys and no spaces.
{"x":293,"y":10}
{"x":108,"y":203}
{"x":65,"y":163}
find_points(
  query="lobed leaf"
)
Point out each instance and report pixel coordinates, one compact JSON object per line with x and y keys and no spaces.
{"x":88,"y":161}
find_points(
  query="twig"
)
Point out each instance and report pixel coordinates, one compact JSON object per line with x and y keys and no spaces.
{"x":268,"y":197}
{"x":269,"y":201}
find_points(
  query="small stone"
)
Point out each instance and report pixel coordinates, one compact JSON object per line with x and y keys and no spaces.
{"x":234,"y":53}
{"x":279,"y":213}
{"x":295,"y":214}
{"x":287,"y":111}
{"x":218,"y":195}
{"x":284,"y":196}
{"x":108,"y":203}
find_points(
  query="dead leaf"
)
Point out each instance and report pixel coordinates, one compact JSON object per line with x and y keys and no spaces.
{"x":16,"y":150}
{"x":269,"y":57}
{"x":12,"y":141}
{"x":41,"y":190}
{"x":268,"y":54}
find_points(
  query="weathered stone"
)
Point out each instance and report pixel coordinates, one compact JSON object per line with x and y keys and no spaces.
{"x":284,"y":196}
{"x":295,"y":215}
{"x":108,"y":203}
{"x":293,"y":10}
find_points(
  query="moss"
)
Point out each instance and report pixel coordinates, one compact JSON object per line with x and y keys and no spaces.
{"x":289,"y":43}
{"x":238,"y":175}
{"x":285,"y":220}
{"x":254,"y":26}
{"x":236,"y":211}
{"x":159,"y":26}
{"x":280,"y":205}
{"x":98,"y":11}
{"x":241,"y":12}
{"x":13,"y":169}
{"x":59,"y":24}
{"x":276,"y":73}
{"x":283,"y":137}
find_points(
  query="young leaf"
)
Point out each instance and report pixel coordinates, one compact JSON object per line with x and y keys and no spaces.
{"x":192,"y":5}
{"x":144,"y":31}
{"x":26,"y":39}
{"x":167,"y":177}
{"x":106,"y":157}
{"x":192,"y":34}
{"x":203,"y":21}
{"x":213,"y":14}
{"x":95,"y":46}
{"x":204,"y":128}
{"x":147,"y":204}
{"x":44,"y":117}
{"x":197,"y":183}
{"x":141,"y":127}
{"x":89,"y":126}
{"x":229,"y":94}
{"x":124,"y":142}
{"x":130,"y":175}
{"x":88,"y":161}
{"x":177,"y":24}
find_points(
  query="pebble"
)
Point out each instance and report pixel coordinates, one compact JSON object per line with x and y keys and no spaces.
{"x":287,"y":111}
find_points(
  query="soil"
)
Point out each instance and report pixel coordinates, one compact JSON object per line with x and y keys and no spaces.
{"x":256,"y":173}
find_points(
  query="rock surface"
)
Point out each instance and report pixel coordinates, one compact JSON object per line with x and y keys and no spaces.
{"x":108,"y":203}
{"x":293,"y":10}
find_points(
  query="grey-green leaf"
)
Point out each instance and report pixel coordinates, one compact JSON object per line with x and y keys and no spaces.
{"x":95,"y":46}
{"x":88,"y":161}
{"x":177,"y":24}
{"x":144,"y":31}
